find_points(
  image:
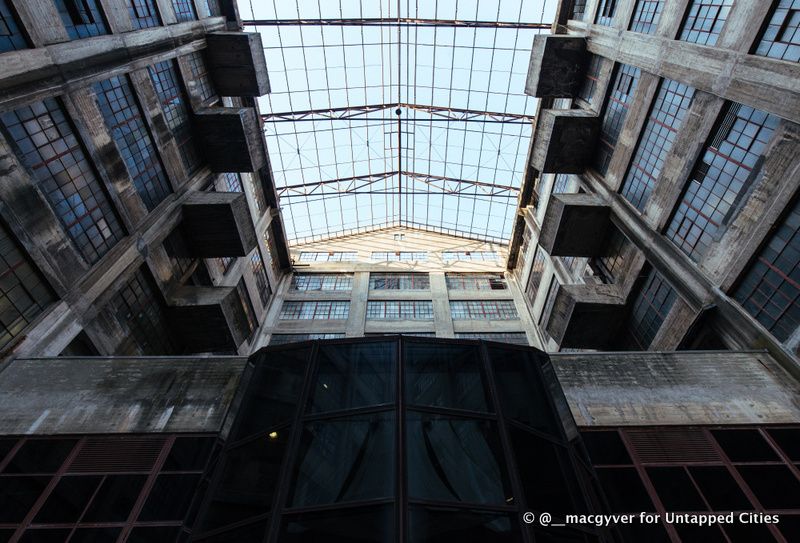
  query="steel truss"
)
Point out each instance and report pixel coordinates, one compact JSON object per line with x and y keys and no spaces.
{"x":361,"y":112}
{"x":397,"y":21}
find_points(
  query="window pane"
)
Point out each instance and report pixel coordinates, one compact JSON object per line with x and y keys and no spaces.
{"x":361,"y":525}
{"x":437,"y":524}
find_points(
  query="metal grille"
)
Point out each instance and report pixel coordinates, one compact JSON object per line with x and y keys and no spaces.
{"x":646,"y":16}
{"x":705,"y":21}
{"x":666,"y":445}
{"x":102,"y":454}
{"x":650,"y":308}
{"x":123,"y":117}
{"x":184,"y":10}
{"x":400,"y":310}
{"x":475,"y":281}
{"x":497,"y":310}
{"x":319,"y":281}
{"x":399,"y":281}
{"x":400,"y":256}
{"x":616,"y":111}
{"x":139,"y":308}
{"x":257,"y":265}
{"x":666,"y":116}
{"x":81,"y":18}
{"x":200,"y":77}
{"x":49,"y":147}
{"x":592,"y":77}
{"x":729,"y":166}
{"x":781,"y":39}
{"x":11,"y":37}
{"x":315,"y":310}
{"x":329,"y":257}
{"x":605,"y":12}
{"x":143,"y":13}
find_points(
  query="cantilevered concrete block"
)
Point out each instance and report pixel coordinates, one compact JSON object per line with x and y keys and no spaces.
{"x":574,"y":225}
{"x":236,"y":63}
{"x":585,"y":316}
{"x":230,"y":139}
{"x":565,"y":140}
{"x":208,"y":318}
{"x":218,"y":224}
{"x":557,"y":66}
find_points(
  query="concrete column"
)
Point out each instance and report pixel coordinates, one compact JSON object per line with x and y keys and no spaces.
{"x":167,"y":12}
{"x":675,"y":326}
{"x":356,"y":321}
{"x":739,"y":32}
{"x":42,"y":21}
{"x":117,"y":15}
{"x":442,"y":321}
{"x":672,"y":18}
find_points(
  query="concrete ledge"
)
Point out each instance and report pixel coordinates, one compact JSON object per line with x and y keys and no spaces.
{"x":236,"y":63}
{"x":557,"y":66}
{"x":585,"y":316}
{"x":565,"y":140}
{"x":575,"y":225}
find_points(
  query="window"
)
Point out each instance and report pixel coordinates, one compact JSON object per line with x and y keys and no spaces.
{"x":143,"y":13}
{"x":705,"y":21}
{"x":649,"y":309}
{"x":233,"y":183}
{"x":400,"y":310}
{"x":48,"y":146}
{"x":586,"y":91}
{"x":770,"y":289}
{"x":283,"y":339}
{"x":535,"y":277}
{"x":315,"y":310}
{"x":329,"y":257}
{"x":140,"y":309}
{"x":475,"y":281}
{"x":605,"y":12}
{"x":123,"y":117}
{"x":258,"y":192}
{"x":612,"y":263}
{"x":400,"y":256}
{"x":578,"y":9}
{"x":646,"y":16}
{"x":731,"y":162}
{"x":200,"y":77}
{"x":449,"y":256}
{"x":225,"y":263}
{"x":781,"y":38}
{"x":399,"y":281}
{"x":561,"y":184}
{"x":247,"y":307}
{"x":11,"y":37}
{"x":23,"y":292}
{"x":319,"y":281}
{"x":495,"y":310}
{"x":179,"y":254}
{"x":549,"y":302}
{"x":165,"y":79}
{"x":616,"y":110}
{"x":81,"y":18}
{"x":666,"y":116}
{"x":517,"y":338}
{"x":260,"y":274}
{"x":184,"y":10}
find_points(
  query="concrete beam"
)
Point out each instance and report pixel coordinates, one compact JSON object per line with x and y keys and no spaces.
{"x":230,"y":139}
{"x":574,"y":225}
{"x":218,"y":224}
{"x":565,"y":140}
{"x":585,"y":316}
{"x":557,"y":66}
{"x":236,"y":63}
{"x":209,"y":319}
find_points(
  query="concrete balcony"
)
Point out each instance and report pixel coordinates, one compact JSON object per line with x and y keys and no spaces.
{"x":236,"y":63}
{"x":574,"y":225}
{"x":565,"y":140}
{"x":557,"y":66}
{"x":208,"y":318}
{"x":585,"y":316}
{"x":230,"y":139}
{"x":218,"y":224}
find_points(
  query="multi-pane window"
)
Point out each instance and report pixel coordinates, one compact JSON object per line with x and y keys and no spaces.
{"x":257,"y":266}
{"x":781,"y":38}
{"x":11,"y":37}
{"x":173,"y":103}
{"x":727,"y":169}
{"x":578,"y":9}
{"x":81,"y":18}
{"x":495,"y":310}
{"x":337,"y":256}
{"x":200,"y":77}
{"x":612,"y":263}
{"x":247,"y":307}
{"x":233,"y":183}
{"x":475,"y":281}
{"x":315,"y":310}
{"x":138,"y":306}
{"x":322,"y":281}
{"x":666,"y":116}
{"x":616,"y":110}
{"x":258,"y":192}
{"x":448,"y":256}
{"x":549,"y":301}
{"x":605,"y":12}
{"x":704,"y":21}
{"x":561,"y":184}
{"x":23,"y":292}
{"x":283,"y":339}
{"x":770,"y":290}
{"x":143,"y":13}
{"x":48,"y":146}
{"x":184,"y":10}
{"x":400,"y":310}
{"x":399,"y":281}
{"x":225,"y":263}
{"x":178,"y":252}
{"x":517,"y":338}
{"x":123,"y":117}
{"x":649,"y":309}
{"x":535,"y":276}
{"x":646,"y":16}
{"x":400,"y":256}
{"x":586,"y":91}
{"x":213,"y":7}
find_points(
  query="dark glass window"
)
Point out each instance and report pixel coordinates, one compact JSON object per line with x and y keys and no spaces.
{"x":233,"y":183}
{"x":622,"y":90}
{"x":139,"y":307}
{"x":430,"y":524}
{"x":184,"y":10}
{"x":646,"y":16}
{"x":82,"y":18}
{"x":400,"y":310}
{"x":517,"y":338}
{"x":781,"y":38}
{"x":535,"y":277}
{"x":173,"y":104}
{"x":315,"y":310}
{"x":23,"y":292}
{"x":612,"y":263}
{"x":200,"y":77}
{"x":770,"y":288}
{"x":143,"y":13}
{"x":320,"y":281}
{"x":260,"y":274}
{"x":475,"y":281}
{"x":650,"y":308}
{"x":48,"y":146}
{"x":728,"y":168}
{"x":666,"y":116}
{"x":705,"y":20}
{"x":590,"y":81}
{"x":399,"y":281}
{"x":605,"y":12}
{"x":123,"y":117}
{"x":550,"y":301}
{"x":179,"y":254}
{"x":578,"y":9}
{"x":357,"y":524}
{"x":519,"y":389}
{"x":283,"y":339}
{"x":247,"y":307}
{"x":11,"y":37}
{"x":483,"y":310}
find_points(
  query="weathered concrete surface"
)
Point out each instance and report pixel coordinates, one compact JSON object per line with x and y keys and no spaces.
{"x":237,"y":64}
{"x":209,"y":319}
{"x":565,"y":140}
{"x":557,"y":66}
{"x":574,"y":225}
{"x":104,"y":395}
{"x":218,"y":224}
{"x":684,"y":387}
{"x":585,"y":316}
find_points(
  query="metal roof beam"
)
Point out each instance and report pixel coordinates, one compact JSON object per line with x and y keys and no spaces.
{"x":397,"y":21}
{"x":353,"y":112}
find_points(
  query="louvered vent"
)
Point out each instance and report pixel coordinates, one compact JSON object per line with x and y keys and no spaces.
{"x":665,"y":445}
{"x":117,"y":454}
